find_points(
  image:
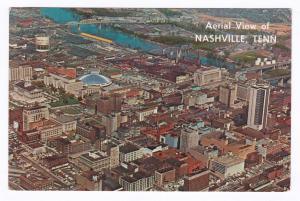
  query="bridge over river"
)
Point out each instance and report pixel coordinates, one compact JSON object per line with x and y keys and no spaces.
{"x":283,"y":64}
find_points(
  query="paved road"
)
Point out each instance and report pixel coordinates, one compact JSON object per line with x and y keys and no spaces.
{"x":14,"y":186}
{"x":43,"y":170}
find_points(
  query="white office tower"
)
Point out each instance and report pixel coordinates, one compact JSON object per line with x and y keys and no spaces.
{"x":258,"y":106}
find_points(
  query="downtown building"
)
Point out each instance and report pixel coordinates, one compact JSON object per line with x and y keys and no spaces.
{"x":27,"y":90}
{"x":207,"y":76}
{"x":189,"y":138}
{"x":139,"y":181}
{"x":130,"y":152}
{"x":228,"y":94}
{"x":197,"y":181}
{"x":64,"y":78}
{"x":20,"y":73}
{"x":227,"y":165}
{"x":143,"y":113}
{"x":258,"y":106}
{"x":111,"y":122}
{"x":34,"y":114}
{"x":109,"y":104}
{"x":94,"y":160}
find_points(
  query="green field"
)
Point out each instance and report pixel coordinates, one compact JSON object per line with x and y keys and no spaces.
{"x":246,"y":57}
{"x":65,"y":99}
{"x":172,"y":40}
{"x":169,"y":12}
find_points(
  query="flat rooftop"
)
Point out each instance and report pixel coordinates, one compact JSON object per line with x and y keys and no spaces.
{"x":93,"y":156}
{"x":127,"y":148}
{"x":229,"y":160}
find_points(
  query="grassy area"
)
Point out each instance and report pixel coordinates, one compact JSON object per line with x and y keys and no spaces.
{"x":65,"y":99}
{"x":103,"y":12}
{"x":246,"y":57}
{"x":276,"y":73}
{"x":170,"y":12}
{"x":172,"y":40}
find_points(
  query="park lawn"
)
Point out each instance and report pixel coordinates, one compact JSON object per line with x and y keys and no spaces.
{"x":65,"y":100}
{"x":247,"y":57}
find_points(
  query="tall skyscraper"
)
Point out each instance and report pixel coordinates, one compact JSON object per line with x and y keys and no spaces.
{"x":111,"y":122}
{"x":109,"y":104}
{"x":34,"y":114}
{"x":116,"y":102}
{"x":104,"y":105}
{"x":188,"y":138}
{"x":228,"y":94}
{"x":258,"y":106}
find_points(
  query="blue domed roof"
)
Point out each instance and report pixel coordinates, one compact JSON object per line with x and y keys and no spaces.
{"x":95,"y":79}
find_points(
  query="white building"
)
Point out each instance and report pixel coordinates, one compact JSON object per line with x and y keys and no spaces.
{"x":95,"y":160}
{"x":27,"y":90}
{"x":141,"y":114}
{"x":130,"y":152}
{"x":207,"y":76}
{"x":42,"y":43}
{"x":20,"y":73}
{"x":139,"y":181}
{"x":258,"y":106}
{"x":70,"y":85}
{"x":227,"y":165}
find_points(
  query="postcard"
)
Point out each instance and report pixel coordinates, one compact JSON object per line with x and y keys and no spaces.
{"x":149,"y":99}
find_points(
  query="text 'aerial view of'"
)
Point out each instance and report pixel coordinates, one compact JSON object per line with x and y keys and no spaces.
{"x":145,"y":99}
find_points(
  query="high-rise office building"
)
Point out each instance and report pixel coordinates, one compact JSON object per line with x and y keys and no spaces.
{"x":188,"y":138}
{"x":228,"y":94}
{"x":20,"y":73}
{"x":111,"y":123}
{"x":34,"y":114}
{"x":104,"y":105}
{"x":258,"y":106}
{"x":109,"y":104}
{"x":116,"y":102}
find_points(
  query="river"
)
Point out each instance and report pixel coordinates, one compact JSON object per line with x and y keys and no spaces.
{"x":63,"y":15}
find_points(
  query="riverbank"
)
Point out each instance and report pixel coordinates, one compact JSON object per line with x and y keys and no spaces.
{"x":121,"y":36}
